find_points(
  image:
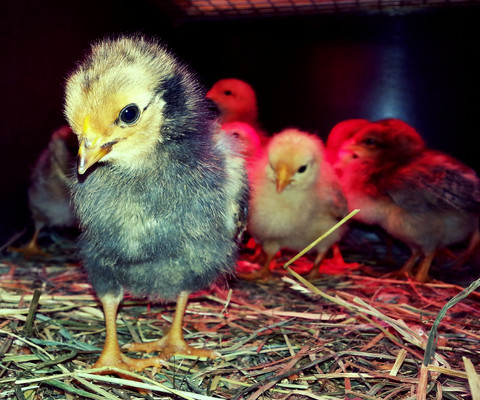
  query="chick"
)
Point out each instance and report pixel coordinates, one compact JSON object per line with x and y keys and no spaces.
{"x":160,"y":201}
{"x":420,"y":196}
{"x":340,"y":133}
{"x":237,"y":102}
{"x":295,"y":198}
{"x":49,"y":190}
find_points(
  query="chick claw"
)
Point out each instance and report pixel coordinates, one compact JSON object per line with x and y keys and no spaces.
{"x":117,"y":361}
{"x":167,"y":347}
{"x":127,"y":363}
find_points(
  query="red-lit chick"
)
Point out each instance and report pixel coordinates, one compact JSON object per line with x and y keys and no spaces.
{"x":49,"y":191}
{"x":237,"y":102}
{"x":295,"y":198}
{"x":423,"y":197}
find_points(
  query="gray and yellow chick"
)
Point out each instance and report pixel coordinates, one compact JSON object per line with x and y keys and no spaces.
{"x":160,"y":200}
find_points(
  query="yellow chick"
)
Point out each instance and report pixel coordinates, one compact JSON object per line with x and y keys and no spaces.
{"x":295,"y":198}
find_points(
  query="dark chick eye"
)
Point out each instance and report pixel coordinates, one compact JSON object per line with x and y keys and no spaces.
{"x":130,"y":114}
{"x":228,"y":92}
{"x":370,"y":142}
{"x":302,"y":169}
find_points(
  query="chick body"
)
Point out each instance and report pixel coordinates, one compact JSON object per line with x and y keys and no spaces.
{"x":423,"y":197}
{"x":295,"y":196}
{"x":160,"y":201}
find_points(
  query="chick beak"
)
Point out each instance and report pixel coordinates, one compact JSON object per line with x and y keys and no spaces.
{"x":89,"y":154}
{"x":90,"y":150}
{"x":284,"y":176}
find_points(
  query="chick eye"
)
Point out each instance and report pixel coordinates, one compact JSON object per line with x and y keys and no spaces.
{"x":130,"y":114}
{"x":370,"y":142}
{"x":302,"y":169}
{"x":228,"y":92}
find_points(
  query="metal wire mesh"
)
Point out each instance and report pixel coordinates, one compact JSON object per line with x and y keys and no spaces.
{"x":221,"y":9}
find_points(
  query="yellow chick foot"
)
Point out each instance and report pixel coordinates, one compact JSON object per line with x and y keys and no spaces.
{"x":172,"y":343}
{"x":169,"y":346}
{"x":31,"y":249}
{"x":121,"y":361}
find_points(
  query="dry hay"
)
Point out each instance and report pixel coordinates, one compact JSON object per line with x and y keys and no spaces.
{"x":347,"y":336}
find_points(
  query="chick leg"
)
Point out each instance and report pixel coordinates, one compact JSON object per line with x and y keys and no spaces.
{"x":173,"y":343}
{"x":472,"y":247}
{"x":111,"y":355}
{"x":423,"y":268}
{"x":31,"y":249}
{"x":407,"y":267}
{"x":315,"y":271}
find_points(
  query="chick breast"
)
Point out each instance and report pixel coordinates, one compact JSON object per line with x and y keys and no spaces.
{"x":161,"y":205}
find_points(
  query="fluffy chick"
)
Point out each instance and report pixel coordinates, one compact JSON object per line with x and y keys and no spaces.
{"x":237,"y":102}
{"x":422,"y":197}
{"x":159,"y":199}
{"x":342,"y":132}
{"x":295,"y":198}
{"x":49,"y":190}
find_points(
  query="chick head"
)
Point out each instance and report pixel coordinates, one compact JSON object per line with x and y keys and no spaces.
{"x":235,"y":99}
{"x":386,"y":141}
{"x":294,"y":158}
{"x":245,"y":135}
{"x":339,"y":134}
{"x":114,"y":101}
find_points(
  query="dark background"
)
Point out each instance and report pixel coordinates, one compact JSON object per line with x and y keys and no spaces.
{"x":309,"y":71}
